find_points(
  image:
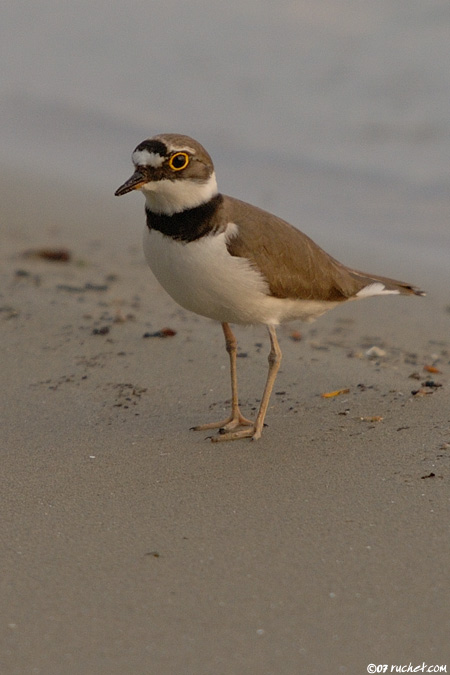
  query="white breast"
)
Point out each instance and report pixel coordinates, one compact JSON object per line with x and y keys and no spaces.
{"x":204,"y":278}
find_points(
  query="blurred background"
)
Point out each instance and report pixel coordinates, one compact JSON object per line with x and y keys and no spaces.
{"x":332,"y":113}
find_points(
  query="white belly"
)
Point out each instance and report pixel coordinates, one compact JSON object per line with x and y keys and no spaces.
{"x":204,"y":278}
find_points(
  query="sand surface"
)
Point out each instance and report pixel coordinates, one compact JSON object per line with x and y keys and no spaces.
{"x":132,"y":545}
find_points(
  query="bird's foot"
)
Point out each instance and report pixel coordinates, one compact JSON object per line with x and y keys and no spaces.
{"x":230,"y":423}
{"x":251,"y":432}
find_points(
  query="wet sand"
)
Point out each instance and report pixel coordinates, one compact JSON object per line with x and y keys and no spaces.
{"x":133,"y":545}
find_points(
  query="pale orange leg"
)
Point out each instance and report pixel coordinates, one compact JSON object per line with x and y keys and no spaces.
{"x":256,"y":429}
{"x":235,"y":419}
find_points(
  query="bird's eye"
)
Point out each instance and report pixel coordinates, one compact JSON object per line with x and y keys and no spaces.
{"x":179,"y":161}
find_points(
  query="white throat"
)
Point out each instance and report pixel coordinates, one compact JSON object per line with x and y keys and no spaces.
{"x":173,"y":196}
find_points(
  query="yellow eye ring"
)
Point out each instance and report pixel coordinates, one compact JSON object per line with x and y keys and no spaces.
{"x":179,"y":161}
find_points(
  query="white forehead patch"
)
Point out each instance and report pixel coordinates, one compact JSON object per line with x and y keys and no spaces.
{"x":146,"y":158}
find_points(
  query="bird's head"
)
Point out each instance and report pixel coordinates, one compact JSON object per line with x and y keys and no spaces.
{"x":174,"y":172}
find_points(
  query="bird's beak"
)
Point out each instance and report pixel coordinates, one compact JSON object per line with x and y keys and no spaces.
{"x":136,"y":181}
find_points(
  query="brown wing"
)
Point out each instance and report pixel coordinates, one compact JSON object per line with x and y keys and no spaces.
{"x":293,"y":265}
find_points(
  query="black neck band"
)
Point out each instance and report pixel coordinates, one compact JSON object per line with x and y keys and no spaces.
{"x":187,"y":225}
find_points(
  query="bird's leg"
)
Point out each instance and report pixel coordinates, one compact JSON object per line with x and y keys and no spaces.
{"x":235,"y":419}
{"x":274,"y":365}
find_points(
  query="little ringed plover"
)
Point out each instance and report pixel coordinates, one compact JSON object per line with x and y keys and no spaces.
{"x":233,"y":262}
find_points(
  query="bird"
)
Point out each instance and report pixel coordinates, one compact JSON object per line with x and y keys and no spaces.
{"x":235,"y":263}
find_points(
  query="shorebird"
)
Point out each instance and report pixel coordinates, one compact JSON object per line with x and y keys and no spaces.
{"x":235,"y":263}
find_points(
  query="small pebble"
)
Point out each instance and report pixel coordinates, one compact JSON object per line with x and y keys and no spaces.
{"x":375,"y":352}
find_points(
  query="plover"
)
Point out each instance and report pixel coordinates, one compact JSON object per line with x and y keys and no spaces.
{"x":227,"y":260}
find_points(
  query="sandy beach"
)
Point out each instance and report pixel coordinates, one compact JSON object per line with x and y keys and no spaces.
{"x":133,"y":545}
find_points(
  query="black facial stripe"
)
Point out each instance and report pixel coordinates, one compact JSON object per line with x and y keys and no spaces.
{"x":188,"y":225}
{"x":157,"y":147}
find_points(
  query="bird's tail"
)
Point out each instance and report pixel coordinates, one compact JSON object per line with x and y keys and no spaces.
{"x":376,"y":285}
